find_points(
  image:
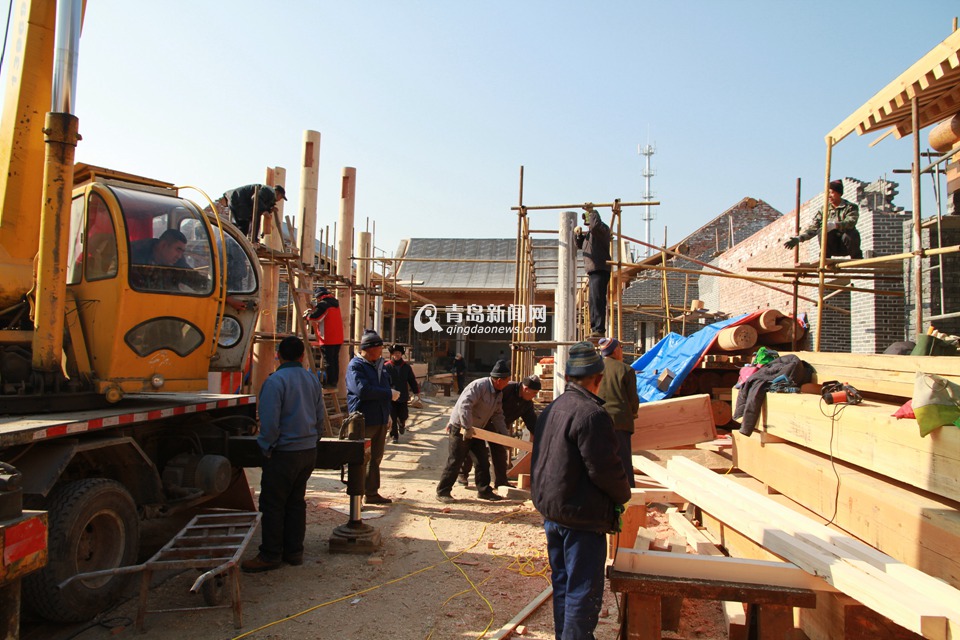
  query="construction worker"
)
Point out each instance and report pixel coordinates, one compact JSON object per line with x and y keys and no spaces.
{"x":329,"y":324}
{"x":403,"y":380}
{"x":579,"y":487}
{"x":240,"y":201}
{"x":595,"y":244}
{"x":517,"y":404}
{"x":618,"y":389}
{"x":478,"y":407}
{"x":843,"y":239}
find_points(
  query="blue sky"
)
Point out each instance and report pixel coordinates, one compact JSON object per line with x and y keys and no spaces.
{"x":438,"y":103}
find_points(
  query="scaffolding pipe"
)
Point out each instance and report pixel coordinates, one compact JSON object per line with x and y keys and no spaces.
{"x":564,"y":319}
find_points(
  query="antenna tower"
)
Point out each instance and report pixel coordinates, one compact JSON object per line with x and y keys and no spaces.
{"x":647,"y":150}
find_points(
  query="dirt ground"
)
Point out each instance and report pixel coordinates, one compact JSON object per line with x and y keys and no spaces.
{"x":444,"y":571}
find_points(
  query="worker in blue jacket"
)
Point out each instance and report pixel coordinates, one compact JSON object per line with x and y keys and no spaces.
{"x":370,"y":393}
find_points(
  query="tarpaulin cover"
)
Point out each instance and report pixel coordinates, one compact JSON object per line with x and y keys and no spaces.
{"x":679,"y":354}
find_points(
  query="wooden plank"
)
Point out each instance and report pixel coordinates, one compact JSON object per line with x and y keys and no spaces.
{"x":918,"y":530}
{"x":868,"y":436}
{"x":890,"y":597}
{"x":861,"y":556}
{"x":701,"y":589}
{"x":695,"y":538}
{"x":891,"y":375}
{"x":522,"y":465}
{"x":672,"y":423}
{"x":506,"y":630}
{"x":718,"y":567}
{"x":499,"y":438}
{"x":634,"y":519}
{"x":648,"y":496}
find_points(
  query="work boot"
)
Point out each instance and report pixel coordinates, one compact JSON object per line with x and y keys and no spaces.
{"x":258,"y":565}
{"x":489,"y":494}
{"x":294,"y":559}
{"x":396,"y":439}
{"x":463,"y":479}
{"x":445,"y":498}
{"x":376,"y":498}
{"x":401,"y":427}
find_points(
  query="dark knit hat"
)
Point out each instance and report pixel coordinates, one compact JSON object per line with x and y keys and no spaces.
{"x":608,"y":346}
{"x":836,"y":185}
{"x":532,"y":382}
{"x":583,"y":360}
{"x":500,"y":370}
{"x":370,"y":339}
{"x":322,"y":291}
{"x":397,"y":347}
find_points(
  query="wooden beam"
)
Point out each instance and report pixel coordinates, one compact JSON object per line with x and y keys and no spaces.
{"x":507,"y":441}
{"x":885,"y":594}
{"x":915,"y":529}
{"x":675,"y":422}
{"x":647,"y":496}
{"x":891,"y":375}
{"x":868,"y":436}
{"x":720,"y":568}
{"x":507,"y":629}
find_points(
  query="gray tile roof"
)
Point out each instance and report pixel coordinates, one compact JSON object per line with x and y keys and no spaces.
{"x":475,"y":275}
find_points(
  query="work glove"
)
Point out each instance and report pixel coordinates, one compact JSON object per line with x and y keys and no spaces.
{"x":832,"y":226}
{"x":578,"y":231}
{"x":792,"y":242}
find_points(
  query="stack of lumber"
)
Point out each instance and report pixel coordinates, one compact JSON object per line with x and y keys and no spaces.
{"x":545,"y":372}
{"x":910,"y":598}
{"x":676,"y":422}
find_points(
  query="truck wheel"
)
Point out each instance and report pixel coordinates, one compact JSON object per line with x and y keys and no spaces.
{"x":93,"y":525}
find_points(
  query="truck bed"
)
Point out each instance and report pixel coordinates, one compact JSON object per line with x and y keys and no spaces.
{"x":133,"y":409}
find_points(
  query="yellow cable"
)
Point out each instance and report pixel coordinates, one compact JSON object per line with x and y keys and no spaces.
{"x":389,"y":582}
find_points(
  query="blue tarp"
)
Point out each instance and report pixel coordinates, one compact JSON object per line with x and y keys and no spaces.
{"x":676,"y":353}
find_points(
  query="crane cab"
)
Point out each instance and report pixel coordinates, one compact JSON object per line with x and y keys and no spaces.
{"x":147,"y":277}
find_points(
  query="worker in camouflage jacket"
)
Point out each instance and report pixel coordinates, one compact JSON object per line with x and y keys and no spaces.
{"x":843,"y":239}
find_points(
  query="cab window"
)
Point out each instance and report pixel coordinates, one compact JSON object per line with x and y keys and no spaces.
{"x":101,"y":241}
{"x":168,"y":244}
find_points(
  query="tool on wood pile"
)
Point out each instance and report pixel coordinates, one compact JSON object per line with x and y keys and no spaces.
{"x":835,"y":392}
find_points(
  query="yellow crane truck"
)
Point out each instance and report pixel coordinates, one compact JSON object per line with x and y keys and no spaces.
{"x":112,"y":314}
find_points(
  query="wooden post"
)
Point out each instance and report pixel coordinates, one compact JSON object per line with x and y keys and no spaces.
{"x":307,"y":213}
{"x":917,"y":239}
{"x":348,"y":194}
{"x":264,"y":351}
{"x":564,"y":318}
{"x":361,"y":319}
{"x":796,"y":258}
{"x":823,"y":243}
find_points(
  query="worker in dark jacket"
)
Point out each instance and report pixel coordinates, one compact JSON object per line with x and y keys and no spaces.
{"x":843,"y":239}
{"x":370,"y":393}
{"x":595,"y":244}
{"x":460,"y":369}
{"x":478,"y":407}
{"x":517,"y":405}
{"x":403,"y":380}
{"x":578,"y":485}
{"x":240,"y":201}
{"x":619,"y":392}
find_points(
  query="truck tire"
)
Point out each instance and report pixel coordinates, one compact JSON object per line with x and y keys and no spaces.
{"x":93,"y":525}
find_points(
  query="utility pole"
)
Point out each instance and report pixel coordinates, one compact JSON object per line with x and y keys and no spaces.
{"x":647,"y":150}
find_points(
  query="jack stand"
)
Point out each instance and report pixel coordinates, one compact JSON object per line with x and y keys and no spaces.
{"x":355,"y":536}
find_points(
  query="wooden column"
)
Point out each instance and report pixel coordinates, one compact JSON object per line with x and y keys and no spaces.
{"x":564,"y":317}
{"x":361,"y":318}
{"x":348,"y":195}
{"x":307,"y":213}
{"x":264,"y":351}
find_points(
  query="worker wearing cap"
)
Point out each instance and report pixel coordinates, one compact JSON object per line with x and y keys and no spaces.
{"x":240,"y":201}
{"x":595,"y":244}
{"x":478,"y":407}
{"x":369,"y":392}
{"x":403,"y":380}
{"x":843,"y":239}
{"x":578,"y":485}
{"x":329,"y":323}
{"x":619,"y":392}
{"x":517,"y":405}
